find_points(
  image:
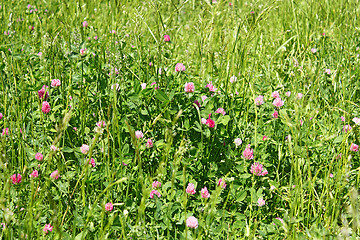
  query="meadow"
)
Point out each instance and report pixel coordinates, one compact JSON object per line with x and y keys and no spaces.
{"x":179,"y":119}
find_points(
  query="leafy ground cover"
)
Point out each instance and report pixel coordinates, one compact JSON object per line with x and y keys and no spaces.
{"x":180,"y":119}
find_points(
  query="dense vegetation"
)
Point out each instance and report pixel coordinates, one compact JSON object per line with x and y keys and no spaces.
{"x":179,"y":119}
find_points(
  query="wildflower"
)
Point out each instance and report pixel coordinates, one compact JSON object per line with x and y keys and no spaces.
{"x":166,"y":38}
{"x":150,"y":64}
{"x":347,"y":128}
{"x":355,"y":120}
{"x":154,"y":192}
{"x":139,"y":134}
{"x":237,"y":142}
{"x":209,"y":122}
{"x":354,"y":147}
{"x":205,"y":193}
{"x":43,"y":92}
{"x":256,"y":168}
{"x":331,"y":175}
{"x":96,"y":37}
{"x":39,"y":156}
{"x":197,"y":103}
{"x":301,"y":122}
{"x":192,"y":222}
{"x":233,"y":79}
{"x":222,"y":183}
{"x":278,"y":103}
{"x":55,"y":83}
{"x":179,"y":67}
{"x":259,"y":100}
{"x":55,"y":175}
{"x":84,"y":149}
{"x":211,"y":87}
{"x":45,"y":107}
{"x":299,"y":96}
{"x":149,"y":143}
{"x":220,"y":110}
{"x":288,"y":94}
{"x":101,"y":124}
{"x":1,"y":116}
{"x":261,"y":202}
{"x":92,"y":162}
{"x":85,"y":24}
{"x":248,"y":153}
{"x":203,"y":120}
{"x":113,"y":32}
{"x":265,"y":172}
{"x":265,"y":138}
{"x":39,"y":54}
{"x":5,"y":131}
{"x":203,"y":98}
{"x":275,"y":94}
{"x":47,"y":228}
{"x":83,"y":51}
{"x":313,"y":50}
{"x":53,"y":148}
{"x":189,"y":87}
{"x":272,"y":187}
{"x":328,"y":71}
{"x":342,"y":118}
{"x":275,"y":114}
{"x":156,"y":184}
{"x":16,"y":178}
{"x":34,"y":174}
{"x":190,"y":189}
{"x":143,"y":85}
{"x":109,"y":207}
{"x":153,"y":83}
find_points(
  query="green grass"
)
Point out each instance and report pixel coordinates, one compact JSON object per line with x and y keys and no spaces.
{"x":265,"y":44}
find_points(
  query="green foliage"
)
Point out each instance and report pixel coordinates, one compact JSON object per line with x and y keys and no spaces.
{"x":310,"y":190}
